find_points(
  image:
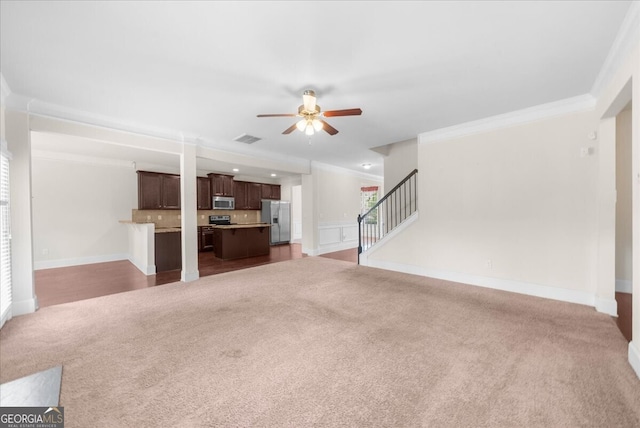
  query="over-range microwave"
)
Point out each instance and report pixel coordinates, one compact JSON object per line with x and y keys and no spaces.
{"x":223,"y":203}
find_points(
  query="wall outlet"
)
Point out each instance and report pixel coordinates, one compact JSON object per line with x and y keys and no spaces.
{"x":159,"y":217}
{"x":148,"y":217}
{"x":45,"y":251}
{"x":489,"y":264}
{"x":202,"y":217}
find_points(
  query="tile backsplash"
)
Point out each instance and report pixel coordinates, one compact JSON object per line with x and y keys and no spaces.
{"x":171,"y":218}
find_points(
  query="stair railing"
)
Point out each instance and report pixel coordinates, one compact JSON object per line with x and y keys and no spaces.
{"x":391,"y":210}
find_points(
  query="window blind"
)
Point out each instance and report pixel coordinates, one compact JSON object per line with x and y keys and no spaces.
{"x":5,"y":238}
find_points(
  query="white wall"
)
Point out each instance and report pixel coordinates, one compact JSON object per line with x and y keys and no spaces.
{"x":510,"y":208}
{"x":331,"y":204}
{"x":76,"y":209}
{"x":623,"y":202}
{"x":296,"y":213}
{"x":402,"y":158}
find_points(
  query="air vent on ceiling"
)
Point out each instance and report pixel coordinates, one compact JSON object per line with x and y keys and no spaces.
{"x":247,"y":139}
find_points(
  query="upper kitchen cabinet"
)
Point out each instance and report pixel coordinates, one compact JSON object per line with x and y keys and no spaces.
{"x":158,"y":191}
{"x":254,"y":195}
{"x":221,"y":184}
{"x":170,"y":192}
{"x":204,"y":193}
{"x":270,"y":191}
{"x":247,"y":195}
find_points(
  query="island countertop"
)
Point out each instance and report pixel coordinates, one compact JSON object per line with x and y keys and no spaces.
{"x":239,"y":226}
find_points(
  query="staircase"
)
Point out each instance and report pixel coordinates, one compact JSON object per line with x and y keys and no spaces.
{"x":388,"y":213}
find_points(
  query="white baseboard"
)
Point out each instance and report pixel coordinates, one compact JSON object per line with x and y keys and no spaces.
{"x":624,"y":286}
{"x":49,"y":264}
{"x":634,"y":357}
{"x":330,"y":248}
{"x":189,"y":276}
{"x":145,"y":269}
{"x":6,"y":316}
{"x":337,"y":247}
{"x":22,"y":307}
{"x":538,"y":290}
{"x":607,"y":306}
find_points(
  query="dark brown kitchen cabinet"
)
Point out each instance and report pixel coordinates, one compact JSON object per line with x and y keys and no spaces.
{"x":168,"y":251}
{"x":270,"y":191}
{"x":170,"y":191}
{"x":247,"y":195}
{"x":158,"y":191}
{"x":254,"y":195}
{"x":221,"y":184}
{"x":275,"y":192}
{"x":237,"y":243}
{"x":240,"y":194}
{"x":204,"y":193}
{"x":149,"y":191}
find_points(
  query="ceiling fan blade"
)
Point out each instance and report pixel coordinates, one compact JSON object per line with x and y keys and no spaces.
{"x":346,"y":112}
{"x":290,"y":129}
{"x":278,"y":115}
{"x":330,"y":129}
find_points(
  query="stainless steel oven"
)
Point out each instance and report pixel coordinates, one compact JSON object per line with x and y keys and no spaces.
{"x":206,"y":238}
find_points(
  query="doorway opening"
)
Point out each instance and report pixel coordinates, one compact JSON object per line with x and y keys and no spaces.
{"x":624,"y":215}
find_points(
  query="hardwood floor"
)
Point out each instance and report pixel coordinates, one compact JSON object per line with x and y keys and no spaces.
{"x":624,"y":314}
{"x":68,"y":284}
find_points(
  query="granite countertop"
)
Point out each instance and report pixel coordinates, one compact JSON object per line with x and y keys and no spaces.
{"x":167,"y":229}
{"x":240,"y":226}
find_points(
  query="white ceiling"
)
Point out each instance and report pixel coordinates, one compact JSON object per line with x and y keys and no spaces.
{"x":206,"y":69}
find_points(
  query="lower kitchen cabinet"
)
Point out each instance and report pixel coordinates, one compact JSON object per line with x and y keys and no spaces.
{"x":237,"y":243}
{"x":168,"y":251}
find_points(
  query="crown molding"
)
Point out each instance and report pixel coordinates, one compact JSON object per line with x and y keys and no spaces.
{"x":628,"y":36}
{"x":518,"y":117}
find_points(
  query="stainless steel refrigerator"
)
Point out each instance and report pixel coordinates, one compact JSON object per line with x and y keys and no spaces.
{"x":278,"y":214}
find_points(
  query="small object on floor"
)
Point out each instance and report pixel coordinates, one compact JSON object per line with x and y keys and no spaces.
{"x":41,"y":389}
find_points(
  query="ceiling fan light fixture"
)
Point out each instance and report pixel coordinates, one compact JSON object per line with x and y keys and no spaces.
{"x":317,"y":125}
{"x":301,"y":125}
{"x":309,"y":129}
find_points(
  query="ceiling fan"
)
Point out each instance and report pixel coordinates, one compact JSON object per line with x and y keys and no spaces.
{"x":312,"y":116}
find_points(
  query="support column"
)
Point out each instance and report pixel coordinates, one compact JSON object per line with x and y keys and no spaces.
{"x":606,"y":284}
{"x":634,"y":346}
{"x":189,"y":213}
{"x":18,"y":138}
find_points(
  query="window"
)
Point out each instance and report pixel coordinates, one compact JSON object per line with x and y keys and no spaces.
{"x":369,"y":197}
{"x":5,"y":237}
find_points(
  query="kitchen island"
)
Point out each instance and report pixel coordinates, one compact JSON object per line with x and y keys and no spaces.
{"x":236,"y":241}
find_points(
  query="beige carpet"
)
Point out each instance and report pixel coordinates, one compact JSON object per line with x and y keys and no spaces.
{"x":320,"y":342}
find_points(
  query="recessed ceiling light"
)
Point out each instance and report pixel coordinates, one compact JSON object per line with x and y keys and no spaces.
{"x":366,"y":165}
{"x":273,"y":175}
{"x":236,"y":170}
